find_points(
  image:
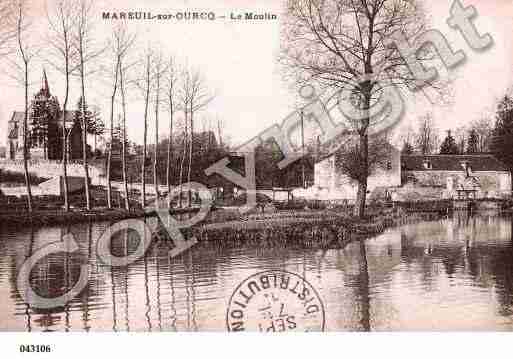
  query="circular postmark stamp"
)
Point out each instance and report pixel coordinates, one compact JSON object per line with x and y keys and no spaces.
{"x":275,"y":301}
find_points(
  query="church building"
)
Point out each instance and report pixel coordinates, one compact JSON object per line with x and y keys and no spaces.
{"x":46,"y":122}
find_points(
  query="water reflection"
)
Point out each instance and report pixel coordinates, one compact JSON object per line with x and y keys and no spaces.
{"x":452,"y":274}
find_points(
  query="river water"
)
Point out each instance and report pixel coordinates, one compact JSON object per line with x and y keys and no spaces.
{"x":451,"y":274}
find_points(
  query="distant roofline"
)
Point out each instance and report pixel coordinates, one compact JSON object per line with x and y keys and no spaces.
{"x":493,"y":163}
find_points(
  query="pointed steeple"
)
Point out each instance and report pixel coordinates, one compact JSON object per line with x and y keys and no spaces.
{"x":45,"y":88}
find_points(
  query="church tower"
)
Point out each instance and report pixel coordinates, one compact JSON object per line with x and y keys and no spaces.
{"x":43,"y":130}
{"x":45,"y":89}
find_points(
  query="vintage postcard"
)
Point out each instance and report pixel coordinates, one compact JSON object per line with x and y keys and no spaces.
{"x":260,"y":166}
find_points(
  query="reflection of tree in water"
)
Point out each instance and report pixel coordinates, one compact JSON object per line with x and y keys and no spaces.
{"x":122,"y":243}
{"x":173,"y":295}
{"x":159,"y":303}
{"x":363,"y":288}
{"x":147,"y":313}
{"x":411,"y":255}
{"x":475,"y":249}
{"x":51,"y":277}
{"x":355,"y":270}
{"x":500,"y":263}
{"x":478,"y":247}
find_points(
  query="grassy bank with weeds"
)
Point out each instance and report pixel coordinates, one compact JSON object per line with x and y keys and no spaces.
{"x":328,"y":228}
{"x":60,"y":217}
{"x":57,"y":218}
{"x":316,"y":229}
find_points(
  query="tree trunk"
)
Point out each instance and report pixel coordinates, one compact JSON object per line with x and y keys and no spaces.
{"x":109,"y":156}
{"x":109,"y":165}
{"x":145,"y":135}
{"x":143,"y":165}
{"x":182,"y":162}
{"x":169,"y":155}
{"x":219,"y":134}
{"x":361,"y":198}
{"x":123,"y":143}
{"x":25,"y":117}
{"x":84,"y":133}
{"x":65,"y":142}
{"x":25,"y":147}
{"x":155,"y":159}
{"x":45,"y":146}
{"x":189,"y":194}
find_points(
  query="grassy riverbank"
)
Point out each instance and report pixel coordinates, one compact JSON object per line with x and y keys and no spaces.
{"x":317,"y":229}
{"x":310,"y":228}
{"x":60,"y":217}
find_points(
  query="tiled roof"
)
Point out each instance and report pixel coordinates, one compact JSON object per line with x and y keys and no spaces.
{"x":14,"y":124}
{"x":17,"y":116}
{"x":477,"y":162}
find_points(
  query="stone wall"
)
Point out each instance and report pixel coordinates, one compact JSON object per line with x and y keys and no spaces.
{"x":52,"y":169}
{"x":55,"y":186}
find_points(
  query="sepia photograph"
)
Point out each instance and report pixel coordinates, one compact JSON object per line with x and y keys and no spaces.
{"x":264,"y":166}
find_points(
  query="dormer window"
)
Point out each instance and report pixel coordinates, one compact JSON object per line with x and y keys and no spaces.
{"x":428,"y":165}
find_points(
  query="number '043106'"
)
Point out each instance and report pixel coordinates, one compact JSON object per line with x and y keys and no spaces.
{"x":30,"y":348}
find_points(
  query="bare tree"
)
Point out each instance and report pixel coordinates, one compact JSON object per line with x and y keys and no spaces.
{"x":87,"y":50}
{"x":349,"y":157}
{"x":344,"y":44}
{"x":122,"y":41}
{"x":184,"y":153}
{"x":426,"y":138}
{"x":484,"y":129}
{"x":407,"y":138}
{"x":123,"y":69}
{"x":111,"y":125}
{"x":62,"y":21}
{"x":220,"y":124}
{"x":172,"y":106}
{"x":145,"y":84}
{"x":8,"y":26}
{"x":160,"y":70}
{"x":124,"y":136}
{"x":195,"y":97}
{"x":26,"y":55}
{"x":460,"y":136}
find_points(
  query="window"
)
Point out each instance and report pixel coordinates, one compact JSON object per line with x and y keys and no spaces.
{"x":428,"y":165}
{"x":389,"y":165}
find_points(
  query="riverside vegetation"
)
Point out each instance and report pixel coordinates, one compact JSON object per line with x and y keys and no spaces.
{"x":313,"y":229}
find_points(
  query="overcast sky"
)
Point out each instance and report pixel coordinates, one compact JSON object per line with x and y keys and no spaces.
{"x":239,"y":63}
